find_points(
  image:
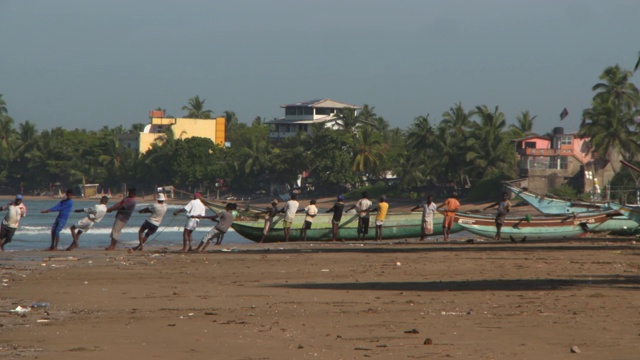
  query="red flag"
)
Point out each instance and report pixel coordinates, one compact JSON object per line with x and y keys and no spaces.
{"x":564,"y":114}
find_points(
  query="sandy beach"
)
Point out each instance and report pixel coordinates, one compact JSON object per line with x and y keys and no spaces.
{"x":389,"y":300}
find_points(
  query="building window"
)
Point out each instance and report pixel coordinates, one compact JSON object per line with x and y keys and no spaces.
{"x":538,"y":162}
{"x":566,"y":140}
{"x":559,"y":162}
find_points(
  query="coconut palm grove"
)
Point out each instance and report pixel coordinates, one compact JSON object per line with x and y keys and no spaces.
{"x":467,"y":146}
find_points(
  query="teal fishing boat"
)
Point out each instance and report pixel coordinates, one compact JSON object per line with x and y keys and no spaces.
{"x":628,"y":222}
{"x":518,"y":228}
{"x":550,"y":205}
{"x":400,"y":225}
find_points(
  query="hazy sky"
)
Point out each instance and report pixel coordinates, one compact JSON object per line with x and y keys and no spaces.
{"x":89,"y":64}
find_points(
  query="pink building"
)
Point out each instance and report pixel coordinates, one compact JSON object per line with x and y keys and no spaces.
{"x":549,"y":162}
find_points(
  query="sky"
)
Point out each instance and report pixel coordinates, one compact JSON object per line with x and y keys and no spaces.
{"x":90,"y":64}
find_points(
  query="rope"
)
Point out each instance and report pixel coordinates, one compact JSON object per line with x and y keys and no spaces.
{"x":160,"y":232}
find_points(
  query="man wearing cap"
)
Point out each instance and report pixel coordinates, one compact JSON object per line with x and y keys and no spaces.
{"x":124,"y":209}
{"x":194,"y":208}
{"x":452,"y":205}
{"x":16,"y":211}
{"x":362,"y":208}
{"x":150,"y":226}
{"x":337,"y":209}
{"x":95,"y":215}
{"x":63,"y":208}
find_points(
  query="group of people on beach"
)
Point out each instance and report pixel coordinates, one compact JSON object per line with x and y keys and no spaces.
{"x":364,"y":208}
{"x":196,"y":211}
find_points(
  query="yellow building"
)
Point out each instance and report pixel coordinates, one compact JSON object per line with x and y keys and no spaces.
{"x":183,"y":128}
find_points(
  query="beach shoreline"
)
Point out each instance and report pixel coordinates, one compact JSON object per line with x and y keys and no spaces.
{"x":403,"y":299}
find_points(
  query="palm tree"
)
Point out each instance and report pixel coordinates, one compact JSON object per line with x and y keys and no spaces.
{"x":611,"y":123}
{"x":369,"y":152}
{"x":420,"y":134}
{"x":195,"y":109}
{"x":348,"y":120}
{"x":255,"y":154}
{"x":616,"y":88}
{"x":635,"y":68}
{"x":610,"y":130}
{"x":525,"y":123}
{"x":410,"y":170}
{"x":490,"y":150}
{"x":3,"y":107}
{"x":368,"y":116}
{"x":457,"y":119}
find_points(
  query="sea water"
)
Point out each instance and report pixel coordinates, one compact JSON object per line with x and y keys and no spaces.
{"x":34,"y":232}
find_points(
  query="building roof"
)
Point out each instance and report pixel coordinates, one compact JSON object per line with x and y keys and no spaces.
{"x":322,"y":103}
{"x":533,"y":136}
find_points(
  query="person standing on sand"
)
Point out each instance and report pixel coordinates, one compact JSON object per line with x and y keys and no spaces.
{"x":289,"y":210}
{"x":63,"y":208}
{"x":362,"y":208}
{"x":310,"y":212}
{"x":95,"y":215}
{"x":452,"y":205}
{"x":428,"y":209}
{"x":504,"y":206}
{"x":224,"y":219}
{"x":194,"y":209}
{"x":381,"y":209}
{"x":268,"y":220}
{"x":150,"y":226}
{"x":124,"y":209}
{"x":17,"y":210}
{"x":337,"y":209}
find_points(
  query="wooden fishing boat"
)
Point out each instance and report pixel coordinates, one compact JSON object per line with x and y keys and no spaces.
{"x":399,"y":225}
{"x":518,"y":228}
{"x":550,"y":205}
{"x":627,"y":222}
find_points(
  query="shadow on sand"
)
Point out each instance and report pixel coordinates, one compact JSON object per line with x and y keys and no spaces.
{"x":623,"y":282}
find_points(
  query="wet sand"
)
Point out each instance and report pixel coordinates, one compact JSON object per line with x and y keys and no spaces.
{"x":389,"y":300}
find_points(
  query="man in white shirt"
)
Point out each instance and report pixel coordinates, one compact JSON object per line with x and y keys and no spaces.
{"x":150,"y":226}
{"x":289,"y":210}
{"x":310,"y":212}
{"x":17,"y":210}
{"x":363,"y":206}
{"x":194,"y":208}
{"x":95,"y":215}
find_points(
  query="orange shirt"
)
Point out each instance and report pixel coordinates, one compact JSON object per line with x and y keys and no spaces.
{"x":453,"y":205}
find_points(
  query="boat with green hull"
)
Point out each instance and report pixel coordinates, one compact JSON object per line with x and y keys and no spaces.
{"x":399,"y":225}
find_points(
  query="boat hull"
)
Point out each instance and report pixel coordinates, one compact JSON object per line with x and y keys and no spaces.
{"x":547,"y":205}
{"x":535,"y":228}
{"x":396,"y":226}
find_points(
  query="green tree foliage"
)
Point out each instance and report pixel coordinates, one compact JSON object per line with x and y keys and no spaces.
{"x":490,"y":151}
{"x":195,"y":109}
{"x":611,"y":121}
{"x":524,"y":127}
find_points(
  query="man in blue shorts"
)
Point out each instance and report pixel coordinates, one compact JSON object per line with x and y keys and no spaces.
{"x":63,"y":208}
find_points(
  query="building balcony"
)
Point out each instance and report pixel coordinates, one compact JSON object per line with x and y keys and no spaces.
{"x":545,"y":152}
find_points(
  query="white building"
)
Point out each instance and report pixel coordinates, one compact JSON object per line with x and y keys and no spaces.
{"x":300,"y":116}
